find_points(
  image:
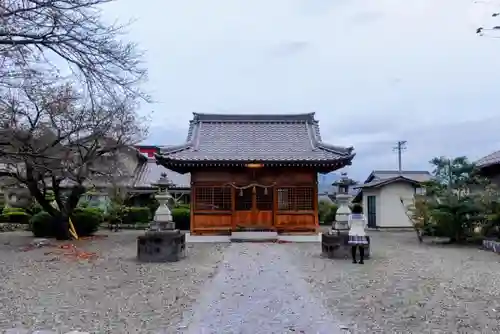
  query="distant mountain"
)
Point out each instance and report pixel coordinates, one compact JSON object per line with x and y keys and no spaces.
{"x":325,"y":182}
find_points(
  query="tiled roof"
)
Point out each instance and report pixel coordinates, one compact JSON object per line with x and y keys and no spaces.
{"x":419,"y":176}
{"x":379,"y":178}
{"x":383,"y":182}
{"x":150,"y":172}
{"x":220,"y":137}
{"x":490,"y":159}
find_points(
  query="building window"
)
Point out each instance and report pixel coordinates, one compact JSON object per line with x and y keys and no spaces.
{"x":213,"y":198}
{"x":296,"y":199}
{"x":419,"y":191}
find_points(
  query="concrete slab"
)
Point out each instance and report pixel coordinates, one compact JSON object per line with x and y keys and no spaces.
{"x":227,"y":238}
{"x":206,"y":238}
{"x":254,"y":236}
{"x":300,"y":238}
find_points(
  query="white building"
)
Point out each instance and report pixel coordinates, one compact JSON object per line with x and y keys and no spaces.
{"x":381,"y":195}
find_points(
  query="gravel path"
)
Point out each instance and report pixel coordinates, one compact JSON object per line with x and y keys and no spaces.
{"x":407,"y":287}
{"x":257,"y":290}
{"x":113,"y":294}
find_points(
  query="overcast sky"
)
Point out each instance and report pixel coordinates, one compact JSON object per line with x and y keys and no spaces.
{"x":374,"y":71}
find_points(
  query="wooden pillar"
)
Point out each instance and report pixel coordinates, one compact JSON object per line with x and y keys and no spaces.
{"x":233,"y":208}
{"x":192,"y":207}
{"x":255,"y":213}
{"x":315,"y":200}
{"x":275,"y":205}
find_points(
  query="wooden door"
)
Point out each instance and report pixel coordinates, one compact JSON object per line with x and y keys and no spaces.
{"x":263,"y":214}
{"x":253,"y":208}
{"x":372,"y":211}
{"x":243,"y":208}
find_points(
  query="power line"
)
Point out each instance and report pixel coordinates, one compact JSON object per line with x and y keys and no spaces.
{"x":399,"y":148}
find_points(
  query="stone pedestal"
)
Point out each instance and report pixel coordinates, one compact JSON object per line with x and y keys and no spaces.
{"x":162,"y":243}
{"x":161,"y":246}
{"x":336,"y":245}
{"x":343,"y":212}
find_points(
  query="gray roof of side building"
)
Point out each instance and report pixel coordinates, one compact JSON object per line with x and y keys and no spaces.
{"x":489,"y":160}
{"x":229,"y":137}
{"x":419,"y":176}
{"x":382,"y":177}
{"x":150,"y":172}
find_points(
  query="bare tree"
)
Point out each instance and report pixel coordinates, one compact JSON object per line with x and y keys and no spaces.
{"x":490,"y":30}
{"x":53,"y":138}
{"x":35,"y":35}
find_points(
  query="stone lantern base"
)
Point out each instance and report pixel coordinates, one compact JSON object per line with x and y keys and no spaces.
{"x":162,"y":246}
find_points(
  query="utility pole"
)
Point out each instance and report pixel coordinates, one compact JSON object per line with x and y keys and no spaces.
{"x":400,"y":147}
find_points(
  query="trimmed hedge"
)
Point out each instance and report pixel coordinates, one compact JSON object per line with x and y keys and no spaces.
{"x":128,"y":215}
{"x":15,"y":216}
{"x":182,"y":218}
{"x":85,"y":220}
{"x":136,"y":215}
{"x":41,"y":225}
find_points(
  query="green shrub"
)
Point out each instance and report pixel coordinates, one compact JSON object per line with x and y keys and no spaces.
{"x":330,"y":215}
{"x":115,"y":214}
{"x":136,"y":214}
{"x":34,"y":208}
{"x":85,"y":220}
{"x":42,"y":225}
{"x":182,"y":218}
{"x":324,"y":208}
{"x":15,"y":216}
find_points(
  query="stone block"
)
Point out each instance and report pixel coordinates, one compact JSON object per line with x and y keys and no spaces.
{"x":16,"y":331}
{"x":336,"y":245}
{"x":492,"y":245}
{"x":161,"y":225}
{"x":161,"y":246}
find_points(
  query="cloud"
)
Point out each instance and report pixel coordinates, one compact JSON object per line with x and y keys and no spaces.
{"x":285,"y":49}
{"x":373,"y":71}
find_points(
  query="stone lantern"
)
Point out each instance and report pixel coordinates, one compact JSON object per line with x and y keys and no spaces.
{"x":343,"y":197}
{"x":163,"y":216}
{"x":162,"y":243}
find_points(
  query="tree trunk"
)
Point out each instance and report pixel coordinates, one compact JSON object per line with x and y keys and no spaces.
{"x":40,"y":198}
{"x":62,"y":227}
{"x":62,"y":220}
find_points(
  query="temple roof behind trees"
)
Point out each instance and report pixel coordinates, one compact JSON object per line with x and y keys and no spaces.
{"x":255,"y":138}
{"x":489,"y":160}
{"x":151,"y":172}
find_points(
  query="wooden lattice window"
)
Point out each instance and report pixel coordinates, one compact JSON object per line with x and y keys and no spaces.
{"x":213,"y":198}
{"x":243,"y":200}
{"x":264,"y":198}
{"x":296,"y":199}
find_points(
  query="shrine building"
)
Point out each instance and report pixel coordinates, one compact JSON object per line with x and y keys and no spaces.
{"x":254,"y":171}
